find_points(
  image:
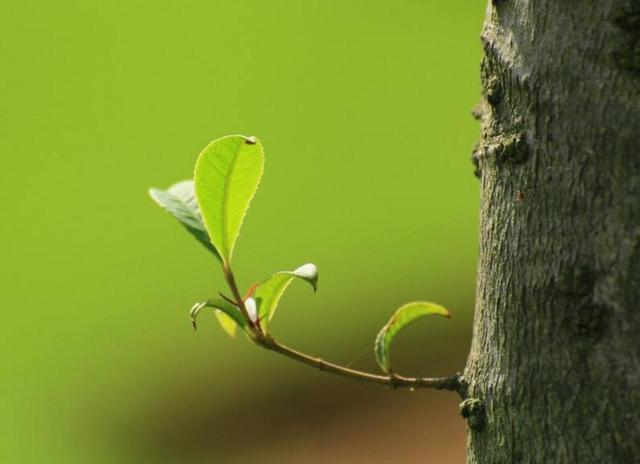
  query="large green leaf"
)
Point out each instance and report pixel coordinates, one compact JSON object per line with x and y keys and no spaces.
{"x":405,"y":315}
{"x":227,"y":315}
{"x":180,"y":201}
{"x":270,"y":291}
{"x":226,"y":178}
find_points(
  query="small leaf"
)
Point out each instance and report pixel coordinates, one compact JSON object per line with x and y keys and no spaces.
{"x":225,"y":312}
{"x":401,"y":318}
{"x":271,"y":290}
{"x":226,"y":322}
{"x":180,"y":201}
{"x":227,"y":174}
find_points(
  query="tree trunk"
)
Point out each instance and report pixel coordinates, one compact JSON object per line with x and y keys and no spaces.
{"x":554,"y":370}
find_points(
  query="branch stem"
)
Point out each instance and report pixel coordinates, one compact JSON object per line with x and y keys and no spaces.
{"x":233,"y":286}
{"x":452,"y":383}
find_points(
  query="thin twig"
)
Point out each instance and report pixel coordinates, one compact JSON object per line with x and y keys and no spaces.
{"x":452,"y":383}
{"x":231,"y":281}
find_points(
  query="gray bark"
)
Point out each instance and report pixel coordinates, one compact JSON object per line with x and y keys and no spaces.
{"x":554,"y":370}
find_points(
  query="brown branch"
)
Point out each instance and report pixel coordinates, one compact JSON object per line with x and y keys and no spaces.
{"x":452,"y":383}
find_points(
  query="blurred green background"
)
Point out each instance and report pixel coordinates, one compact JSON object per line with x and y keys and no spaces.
{"x":363,"y":108}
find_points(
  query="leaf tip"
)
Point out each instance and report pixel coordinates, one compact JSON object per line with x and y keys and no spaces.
{"x":308,"y":272}
{"x":153,"y":193}
{"x":193,"y":314}
{"x":446,"y":313}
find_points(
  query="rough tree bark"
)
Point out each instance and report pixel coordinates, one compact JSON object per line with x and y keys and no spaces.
{"x":554,"y":370}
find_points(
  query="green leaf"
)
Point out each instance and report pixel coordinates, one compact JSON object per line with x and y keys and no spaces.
{"x":402,"y":317}
{"x":226,"y":322}
{"x":227,"y":314}
{"x":180,"y":201}
{"x":226,"y":178}
{"x":270,"y":291}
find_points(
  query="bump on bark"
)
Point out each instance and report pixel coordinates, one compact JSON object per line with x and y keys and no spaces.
{"x":473,"y":410}
{"x":494,"y":91}
{"x":511,"y":149}
{"x":514,"y":149}
{"x":478,"y":111}
{"x":475,"y":160}
{"x":478,"y":114}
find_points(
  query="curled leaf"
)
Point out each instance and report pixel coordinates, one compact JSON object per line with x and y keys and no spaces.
{"x":270,"y":291}
{"x":227,"y":174}
{"x":400,"y":319}
{"x":179,"y":200}
{"x":228,"y":316}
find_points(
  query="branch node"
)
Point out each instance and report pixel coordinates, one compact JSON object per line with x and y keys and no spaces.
{"x":473,"y":410}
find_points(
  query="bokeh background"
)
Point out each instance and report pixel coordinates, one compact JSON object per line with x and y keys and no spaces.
{"x":363,"y":108}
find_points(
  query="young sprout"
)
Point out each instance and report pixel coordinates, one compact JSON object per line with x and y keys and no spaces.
{"x":212,"y":208}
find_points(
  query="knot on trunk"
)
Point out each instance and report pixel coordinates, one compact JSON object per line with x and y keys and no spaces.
{"x":473,"y":411}
{"x":506,"y":149}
